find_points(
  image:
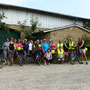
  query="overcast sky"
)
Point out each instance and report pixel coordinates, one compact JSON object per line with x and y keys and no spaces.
{"x":80,"y":8}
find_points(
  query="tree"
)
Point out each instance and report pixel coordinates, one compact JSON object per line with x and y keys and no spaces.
{"x":3,"y":25}
{"x":29,"y":32}
{"x":86,"y":25}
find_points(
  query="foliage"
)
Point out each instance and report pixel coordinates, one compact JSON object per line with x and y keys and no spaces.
{"x":34,"y":23}
{"x":23,"y":26}
{"x":86,"y":25}
{"x":87,"y":42}
{"x":68,"y":38}
{"x":86,"y":39}
{"x":29,"y":32}
{"x":3,"y":25}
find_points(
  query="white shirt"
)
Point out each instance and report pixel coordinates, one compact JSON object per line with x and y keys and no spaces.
{"x":48,"y":55}
{"x":30,"y":46}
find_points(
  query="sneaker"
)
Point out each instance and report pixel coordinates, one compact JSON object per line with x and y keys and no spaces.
{"x":4,"y":62}
{"x":86,"y":63}
{"x":81,"y":63}
{"x":10,"y":64}
{"x":48,"y":63}
{"x":45,"y":64}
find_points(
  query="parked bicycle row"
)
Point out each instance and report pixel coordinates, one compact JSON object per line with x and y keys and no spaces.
{"x":15,"y":51}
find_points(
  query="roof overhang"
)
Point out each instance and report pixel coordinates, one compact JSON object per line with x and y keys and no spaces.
{"x":64,"y":27}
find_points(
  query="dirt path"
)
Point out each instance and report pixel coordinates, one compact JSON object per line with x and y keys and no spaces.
{"x":52,"y":77}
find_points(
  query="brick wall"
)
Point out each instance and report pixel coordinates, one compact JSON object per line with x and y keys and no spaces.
{"x":74,"y":32}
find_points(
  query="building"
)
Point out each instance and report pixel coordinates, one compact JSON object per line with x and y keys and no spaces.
{"x":47,"y":20}
{"x":74,"y":31}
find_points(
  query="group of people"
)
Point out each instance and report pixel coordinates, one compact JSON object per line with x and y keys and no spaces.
{"x":13,"y":49}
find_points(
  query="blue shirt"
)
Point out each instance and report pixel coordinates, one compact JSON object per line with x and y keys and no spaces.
{"x":49,"y":45}
{"x":45,"y":47}
{"x":25,"y":46}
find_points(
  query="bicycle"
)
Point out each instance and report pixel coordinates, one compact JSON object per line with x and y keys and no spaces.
{"x":2,"y":61}
{"x":78,"y":56}
{"x":38,"y":55}
{"x":71,"y":57}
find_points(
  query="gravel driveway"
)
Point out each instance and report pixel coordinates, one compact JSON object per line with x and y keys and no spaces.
{"x":50,"y":77}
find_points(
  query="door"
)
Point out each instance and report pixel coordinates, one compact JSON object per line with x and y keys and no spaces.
{"x":4,"y":35}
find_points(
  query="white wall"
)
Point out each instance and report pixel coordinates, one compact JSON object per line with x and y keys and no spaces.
{"x":45,"y":21}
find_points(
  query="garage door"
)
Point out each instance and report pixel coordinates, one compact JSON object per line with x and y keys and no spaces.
{"x":4,"y":35}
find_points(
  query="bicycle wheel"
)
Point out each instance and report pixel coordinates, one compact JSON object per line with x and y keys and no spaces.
{"x":38,"y":59}
{"x":1,"y":63}
{"x":72,"y":60}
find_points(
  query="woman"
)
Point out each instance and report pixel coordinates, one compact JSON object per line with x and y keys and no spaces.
{"x":19,"y":52}
{"x":81,"y":45}
{"x":15,"y":47}
{"x":47,"y":57}
{"x":60,"y":44}
{"x":11,"y":50}
{"x":60,"y":54}
{"x":30,"y":49}
{"x":5,"y":49}
{"x":52,"y":46}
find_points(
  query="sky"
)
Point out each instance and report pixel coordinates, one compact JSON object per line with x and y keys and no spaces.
{"x":79,"y":8}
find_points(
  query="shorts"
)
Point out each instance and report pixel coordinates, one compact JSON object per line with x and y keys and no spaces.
{"x":30,"y":53}
{"x":61,"y":57}
{"x":82,"y":50}
{"x":46,"y":59}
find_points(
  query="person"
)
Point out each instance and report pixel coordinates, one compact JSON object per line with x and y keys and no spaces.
{"x":52,"y":46}
{"x":19,"y":52}
{"x":60,"y":53}
{"x":38,"y":47}
{"x":65,"y":47}
{"x":50,"y":43}
{"x":41,"y":42}
{"x":37,"y":43}
{"x":53,"y":51}
{"x":15,"y":52}
{"x":59,"y":44}
{"x":5,"y":48}
{"x":44,"y":46}
{"x":81,"y":45}
{"x":30,"y":49}
{"x":26,"y":49}
{"x":11,"y":51}
{"x":47,"y":57}
{"x":71,"y":48}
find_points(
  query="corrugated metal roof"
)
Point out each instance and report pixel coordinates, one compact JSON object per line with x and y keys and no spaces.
{"x":41,"y":11}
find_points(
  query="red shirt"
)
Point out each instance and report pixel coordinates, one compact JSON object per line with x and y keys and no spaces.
{"x":52,"y":46}
{"x":19,"y":45}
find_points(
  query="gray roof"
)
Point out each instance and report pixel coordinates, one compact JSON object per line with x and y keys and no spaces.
{"x":42,"y":12}
{"x":64,"y":27}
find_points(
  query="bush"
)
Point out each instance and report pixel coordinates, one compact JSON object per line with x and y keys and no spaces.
{"x":87,"y":41}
